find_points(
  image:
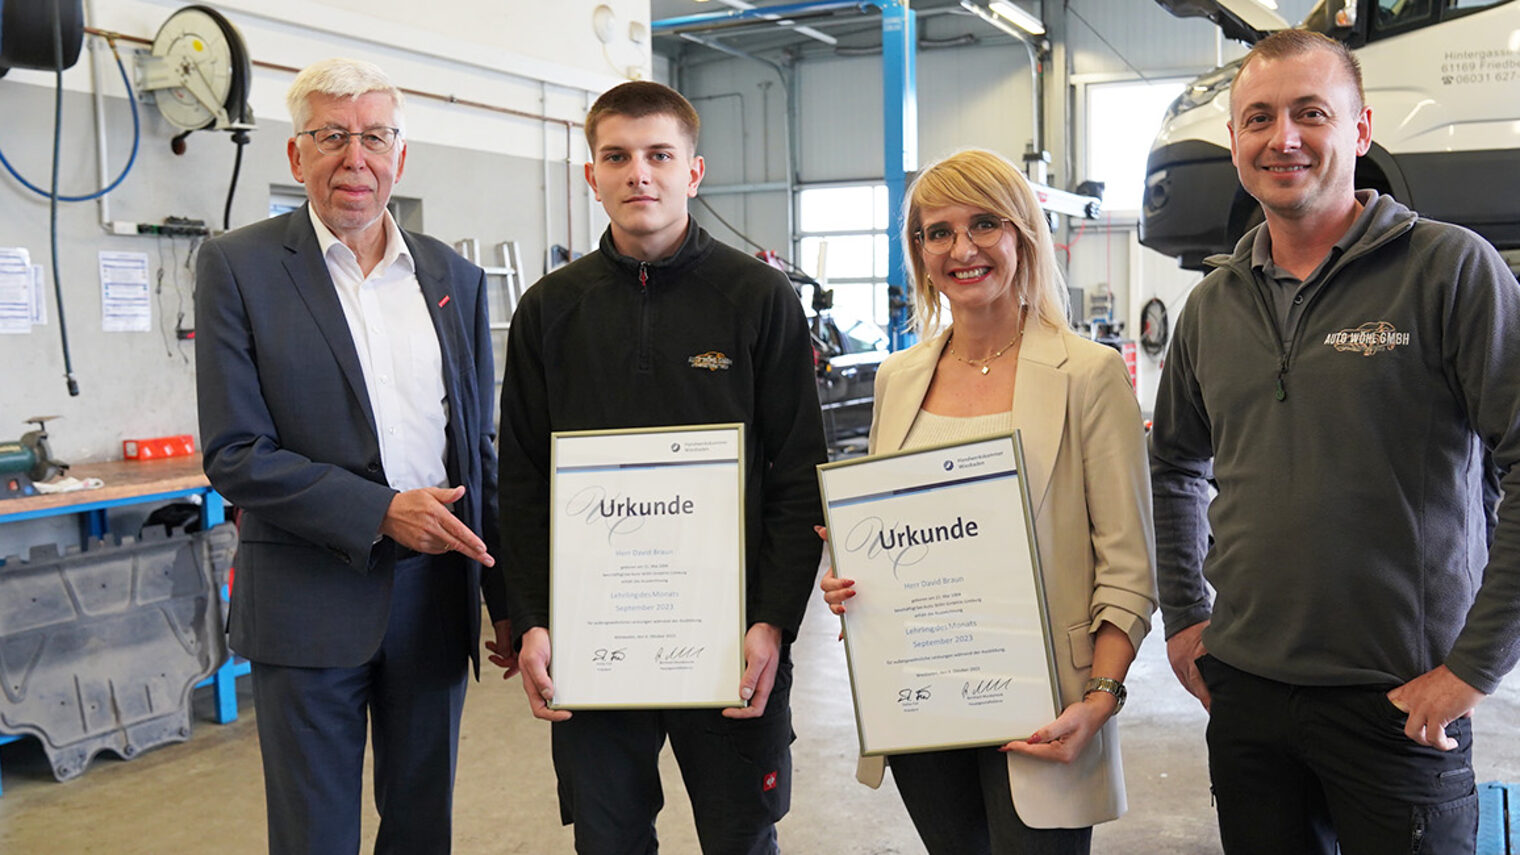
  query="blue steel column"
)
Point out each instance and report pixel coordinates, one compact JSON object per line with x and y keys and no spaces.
{"x":899,"y":43}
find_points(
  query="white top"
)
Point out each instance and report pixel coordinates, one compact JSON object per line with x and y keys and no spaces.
{"x":934,"y":429}
{"x":399,"y":354}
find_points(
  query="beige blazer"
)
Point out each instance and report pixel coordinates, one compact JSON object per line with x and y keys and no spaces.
{"x":1086,"y":466}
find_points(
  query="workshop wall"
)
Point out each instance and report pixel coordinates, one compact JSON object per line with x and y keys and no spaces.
{"x":967,"y":96}
{"x":142,"y":384}
{"x":470,"y":173}
{"x":744,"y":143}
{"x":475,"y":173}
{"x":975,"y":96}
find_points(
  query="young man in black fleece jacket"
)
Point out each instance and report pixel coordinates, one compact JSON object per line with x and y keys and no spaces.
{"x":665,"y":326}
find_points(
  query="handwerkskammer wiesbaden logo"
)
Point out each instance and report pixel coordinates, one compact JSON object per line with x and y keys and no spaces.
{"x":1367,"y":339}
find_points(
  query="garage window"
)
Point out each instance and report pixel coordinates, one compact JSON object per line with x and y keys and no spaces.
{"x":851,"y":221}
{"x":1121,"y":119}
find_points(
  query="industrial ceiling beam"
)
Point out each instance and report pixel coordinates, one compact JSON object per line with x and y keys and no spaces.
{"x":758,"y":13}
{"x":811,"y":33}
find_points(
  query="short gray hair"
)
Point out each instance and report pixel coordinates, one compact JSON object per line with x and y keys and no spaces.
{"x":341,"y":78}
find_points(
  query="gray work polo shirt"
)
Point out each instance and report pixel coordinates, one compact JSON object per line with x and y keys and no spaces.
{"x":1287,"y":294}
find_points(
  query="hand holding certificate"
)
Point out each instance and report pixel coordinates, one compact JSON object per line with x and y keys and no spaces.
{"x":647,"y":568}
{"x":949,"y":645}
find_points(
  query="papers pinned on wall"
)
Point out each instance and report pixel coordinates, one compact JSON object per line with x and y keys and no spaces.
{"x":17,"y":291}
{"x":125,"y":302}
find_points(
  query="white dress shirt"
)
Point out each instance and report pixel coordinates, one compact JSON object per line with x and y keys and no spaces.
{"x":398,"y":351}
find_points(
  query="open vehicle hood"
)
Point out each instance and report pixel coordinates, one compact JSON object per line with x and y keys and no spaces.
{"x":1248,"y":21}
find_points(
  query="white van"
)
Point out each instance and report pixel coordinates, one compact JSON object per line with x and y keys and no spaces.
{"x":1442,"y":78}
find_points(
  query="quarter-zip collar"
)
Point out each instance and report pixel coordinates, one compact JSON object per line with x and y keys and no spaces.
{"x":1387,"y":220}
{"x":694,"y":247}
{"x":651,"y":277}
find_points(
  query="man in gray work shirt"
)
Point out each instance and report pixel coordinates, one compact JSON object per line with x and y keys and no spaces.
{"x":1341,"y":376}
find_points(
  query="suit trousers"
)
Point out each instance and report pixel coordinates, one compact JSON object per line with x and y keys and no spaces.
{"x":410,"y":694}
{"x":1302,"y":768}
{"x":738,"y":774}
{"x":961,"y":804}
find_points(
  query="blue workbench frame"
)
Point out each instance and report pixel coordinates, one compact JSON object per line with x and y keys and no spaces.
{"x":94,"y":522}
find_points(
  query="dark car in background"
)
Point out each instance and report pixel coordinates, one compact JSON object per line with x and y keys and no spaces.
{"x":846,"y":354}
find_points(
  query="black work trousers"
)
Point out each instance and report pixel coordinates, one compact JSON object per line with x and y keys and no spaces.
{"x":1300,"y":768}
{"x":738,"y":774}
{"x":961,"y":804}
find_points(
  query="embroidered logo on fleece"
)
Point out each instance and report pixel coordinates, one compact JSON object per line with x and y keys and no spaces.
{"x":712,"y":360}
{"x":768,"y":783}
{"x":1367,"y":339}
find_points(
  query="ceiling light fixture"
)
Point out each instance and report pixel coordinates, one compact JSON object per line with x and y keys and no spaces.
{"x":1021,"y":19}
{"x":1038,"y":43}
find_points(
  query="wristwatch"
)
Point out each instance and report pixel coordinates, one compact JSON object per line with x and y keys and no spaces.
{"x":1107,"y":684}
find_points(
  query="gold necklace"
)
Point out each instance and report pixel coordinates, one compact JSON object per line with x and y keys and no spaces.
{"x":983,"y":362}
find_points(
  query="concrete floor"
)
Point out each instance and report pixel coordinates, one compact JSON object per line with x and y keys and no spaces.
{"x":206,"y":795}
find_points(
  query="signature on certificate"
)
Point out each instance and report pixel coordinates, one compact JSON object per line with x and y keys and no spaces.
{"x":678,"y":655}
{"x":982,"y":688}
{"x":606,"y":654}
{"x":909,"y":696}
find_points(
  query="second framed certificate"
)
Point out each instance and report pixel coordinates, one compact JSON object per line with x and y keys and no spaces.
{"x":947,"y":638}
{"x":647,"y":567}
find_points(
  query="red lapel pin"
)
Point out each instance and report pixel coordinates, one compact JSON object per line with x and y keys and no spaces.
{"x":444,"y":301}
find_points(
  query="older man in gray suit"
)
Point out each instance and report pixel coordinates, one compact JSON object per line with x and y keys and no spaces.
{"x":345,"y":380}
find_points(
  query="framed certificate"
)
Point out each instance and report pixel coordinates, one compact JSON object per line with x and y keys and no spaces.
{"x":646,"y":598}
{"x":948,"y":637}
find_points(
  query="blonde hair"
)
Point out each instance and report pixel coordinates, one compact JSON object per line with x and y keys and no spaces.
{"x":984,"y":179}
{"x":341,"y":78}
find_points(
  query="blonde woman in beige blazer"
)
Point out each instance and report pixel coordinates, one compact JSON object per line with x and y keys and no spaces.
{"x":977,"y":239}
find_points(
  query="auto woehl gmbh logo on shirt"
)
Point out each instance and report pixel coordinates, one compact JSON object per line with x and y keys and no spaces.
{"x":1367,"y":339}
{"x":712,"y":360}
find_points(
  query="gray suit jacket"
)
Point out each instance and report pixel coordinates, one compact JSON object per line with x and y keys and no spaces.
{"x":289,"y":437}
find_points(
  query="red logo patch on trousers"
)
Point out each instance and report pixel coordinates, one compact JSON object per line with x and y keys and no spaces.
{"x":768,"y":783}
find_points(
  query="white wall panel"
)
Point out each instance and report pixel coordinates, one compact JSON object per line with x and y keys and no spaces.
{"x":840,"y":119}
{"x":974,"y":97}
{"x":743,"y":109}
{"x":1139,"y":35}
{"x":759,"y":216}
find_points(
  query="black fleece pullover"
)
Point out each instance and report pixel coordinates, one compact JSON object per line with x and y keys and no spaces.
{"x":708,"y":335}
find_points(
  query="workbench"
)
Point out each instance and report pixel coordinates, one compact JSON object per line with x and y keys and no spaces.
{"x":131,"y":482}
